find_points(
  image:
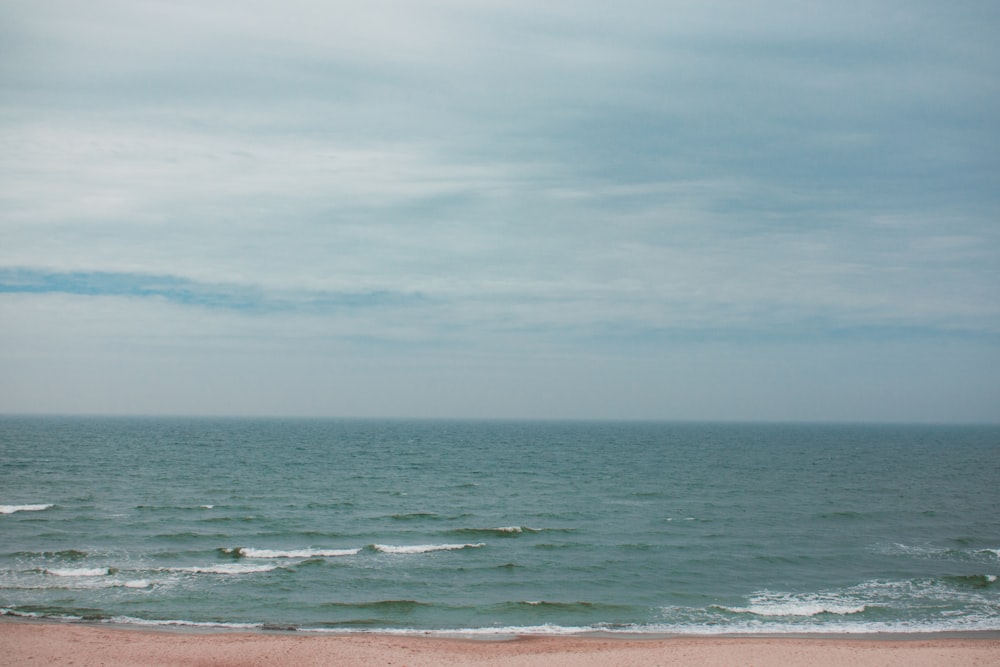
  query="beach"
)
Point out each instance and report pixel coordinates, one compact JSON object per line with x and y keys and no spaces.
{"x":33,"y":643}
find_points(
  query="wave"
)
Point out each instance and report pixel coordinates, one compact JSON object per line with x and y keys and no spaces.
{"x":130,"y":620}
{"x":756,"y":626}
{"x":386,"y":605}
{"x":945,"y":553}
{"x":423,"y":548}
{"x":97,"y":582}
{"x":797,"y":609}
{"x":841,"y":515}
{"x":172,"y":508}
{"x":247,"y":552}
{"x":801,"y":604}
{"x":224,"y":568}
{"x":65,"y":554}
{"x":228,"y":519}
{"x":78,"y":571}
{"x":10,"y":509}
{"x":189,"y":536}
{"x":972,"y":580}
{"x":963,"y":601}
{"x":46,"y":613}
{"x":502,"y":531}
{"x":548,"y":605}
{"x":553,"y":546}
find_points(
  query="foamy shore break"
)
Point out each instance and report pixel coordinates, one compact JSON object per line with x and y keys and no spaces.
{"x":37,"y":643}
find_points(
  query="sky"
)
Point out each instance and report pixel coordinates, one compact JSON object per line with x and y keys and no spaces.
{"x":705,"y":210}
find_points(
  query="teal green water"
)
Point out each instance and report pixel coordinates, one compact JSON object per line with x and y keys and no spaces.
{"x":497,"y":527}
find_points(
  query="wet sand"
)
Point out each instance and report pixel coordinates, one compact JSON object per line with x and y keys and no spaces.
{"x":34,"y":643}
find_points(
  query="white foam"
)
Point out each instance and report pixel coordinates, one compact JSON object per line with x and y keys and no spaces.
{"x":424,"y":548}
{"x":137,"y":583}
{"x":296,"y":553}
{"x":783,"y":604}
{"x":6,"y":611}
{"x":754,"y":626}
{"x":78,"y":571}
{"x":10,"y":509}
{"x":129,"y":620}
{"x":226,"y":568}
{"x":798,"y":609}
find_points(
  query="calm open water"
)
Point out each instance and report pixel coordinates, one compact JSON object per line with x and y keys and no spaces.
{"x":501,"y":527}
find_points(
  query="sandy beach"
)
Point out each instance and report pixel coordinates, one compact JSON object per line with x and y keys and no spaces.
{"x":28,"y":643}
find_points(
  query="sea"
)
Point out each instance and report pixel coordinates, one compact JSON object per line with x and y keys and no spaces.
{"x":500,"y":528}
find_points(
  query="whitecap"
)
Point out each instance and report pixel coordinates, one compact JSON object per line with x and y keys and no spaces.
{"x":78,"y":571}
{"x":424,"y":548}
{"x":295,"y":553}
{"x":10,"y":509}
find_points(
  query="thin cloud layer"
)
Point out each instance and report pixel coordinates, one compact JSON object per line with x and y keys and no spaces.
{"x":482,"y":197}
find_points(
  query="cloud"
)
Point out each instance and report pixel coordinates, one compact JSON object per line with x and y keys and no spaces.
{"x":501,"y":180}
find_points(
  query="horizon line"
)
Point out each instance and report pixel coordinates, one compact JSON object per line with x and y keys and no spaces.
{"x":500,"y":418}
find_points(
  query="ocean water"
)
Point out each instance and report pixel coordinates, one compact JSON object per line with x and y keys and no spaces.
{"x":501,"y":527}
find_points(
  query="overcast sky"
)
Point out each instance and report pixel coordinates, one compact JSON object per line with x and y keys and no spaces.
{"x":668,"y":210}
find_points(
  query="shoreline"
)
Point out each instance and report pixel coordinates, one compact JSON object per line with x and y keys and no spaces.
{"x":42,"y":642}
{"x":485,"y":634}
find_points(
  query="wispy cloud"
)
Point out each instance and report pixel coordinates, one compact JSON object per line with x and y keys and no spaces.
{"x":191,"y":293}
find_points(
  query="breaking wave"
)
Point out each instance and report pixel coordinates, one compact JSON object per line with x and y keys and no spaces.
{"x":78,"y":571}
{"x":10,"y":509}
{"x":797,"y":605}
{"x":247,"y":552}
{"x":225,"y":568}
{"x":424,"y":548}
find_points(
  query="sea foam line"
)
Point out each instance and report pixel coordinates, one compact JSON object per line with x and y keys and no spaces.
{"x":130,"y":620}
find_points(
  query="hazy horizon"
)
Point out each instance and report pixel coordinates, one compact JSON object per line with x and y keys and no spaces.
{"x":499,"y":420}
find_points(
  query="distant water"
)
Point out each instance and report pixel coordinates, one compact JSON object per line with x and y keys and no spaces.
{"x":501,"y":527}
